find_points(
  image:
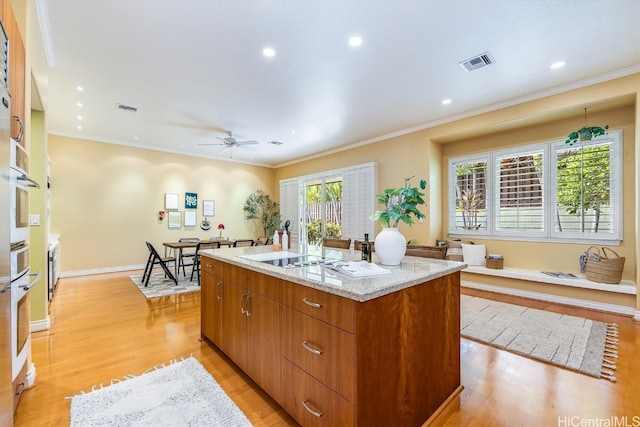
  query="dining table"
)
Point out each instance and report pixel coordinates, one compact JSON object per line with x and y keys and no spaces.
{"x":177,"y":247}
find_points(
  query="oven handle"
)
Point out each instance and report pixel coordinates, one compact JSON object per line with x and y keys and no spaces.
{"x":31,"y":183}
{"x":32,"y":283}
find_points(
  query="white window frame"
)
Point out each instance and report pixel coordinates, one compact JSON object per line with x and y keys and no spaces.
{"x":549,"y":184}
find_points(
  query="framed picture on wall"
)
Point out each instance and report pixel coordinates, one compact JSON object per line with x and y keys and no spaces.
{"x":170,"y":201}
{"x":190,"y":200}
{"x":189,"y":218}
{"x":175,"y":219}
{"x":208,"y":208}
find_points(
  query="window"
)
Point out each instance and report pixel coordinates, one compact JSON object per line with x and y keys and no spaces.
{"x":334,"y":203}
{"x":541,"y":191}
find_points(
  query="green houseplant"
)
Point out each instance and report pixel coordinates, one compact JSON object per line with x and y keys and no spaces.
{"x":259,"y":207}
{"x":400,"y":204}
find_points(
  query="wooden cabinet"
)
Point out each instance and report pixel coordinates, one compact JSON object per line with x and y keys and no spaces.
{"x":329,"y":360}
{"x":250,"y":324}
{"x":16,"y":72}
{"x":211,"y":283}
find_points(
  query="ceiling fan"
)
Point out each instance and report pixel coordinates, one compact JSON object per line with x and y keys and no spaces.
{"x":230,"y":142}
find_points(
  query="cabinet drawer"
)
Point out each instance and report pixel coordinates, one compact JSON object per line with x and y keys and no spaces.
{"x":212,"y":266}
{"x":324,"y":306}
{"x":259,"y":283}
{"x":311,"y":403}
{"x":322,"y":350}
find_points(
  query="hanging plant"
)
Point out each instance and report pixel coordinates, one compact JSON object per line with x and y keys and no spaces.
{"x":586,"y":133}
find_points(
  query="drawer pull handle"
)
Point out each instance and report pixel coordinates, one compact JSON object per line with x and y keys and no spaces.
{"x":310,"y":410}
{"x":242,"y":303}
{"x":311,"y":349}
{"x":311,"y":303}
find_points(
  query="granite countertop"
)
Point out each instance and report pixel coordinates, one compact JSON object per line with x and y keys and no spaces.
{"x":412,"y":271}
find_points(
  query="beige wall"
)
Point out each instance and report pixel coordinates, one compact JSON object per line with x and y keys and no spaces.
{"x":425,"y":153}
{"x":105,"y":200}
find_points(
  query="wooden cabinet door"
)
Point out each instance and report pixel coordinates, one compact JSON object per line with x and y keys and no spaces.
{"x":16,"y":73}
{"x":211,"y":307}
{"x":234,"y":320}
{"x":263,"y":345}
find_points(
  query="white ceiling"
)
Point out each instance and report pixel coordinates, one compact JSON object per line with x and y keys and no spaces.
{"x":194,"y":69}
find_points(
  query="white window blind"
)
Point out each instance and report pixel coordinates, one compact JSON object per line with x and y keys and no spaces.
{"x":519,"y":192}
{"x":588,"y":188}
{"x":541,"y":191}
{"x":468,"y":195}
{"x":289,"y":209}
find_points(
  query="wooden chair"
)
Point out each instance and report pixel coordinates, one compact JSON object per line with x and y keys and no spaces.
{"x":186,"y":252}
{"x":357,"y":245}
{"x":155,"y":258}
{"x":336,"y":243}
{"x":427,"y":251}
{"x":262,"y":241}
{"x":242,"y":242}
{"x":196,"y":258}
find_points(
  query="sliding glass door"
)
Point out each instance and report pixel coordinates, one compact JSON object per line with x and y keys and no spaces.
{"x":322,"y":209}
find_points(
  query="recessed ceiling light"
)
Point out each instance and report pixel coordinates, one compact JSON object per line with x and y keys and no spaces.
{"x":78,"y":104}
{"x":355,"y":41}
{"x":557,"y":65}
{"x":79,"y":127}
{"x":268,"y":52}
{"x":79,"y":117}
{"x":293,"y":132}
{"x":135,"y":138}
{"x":79,"y":88}
{"x":446,"y":101}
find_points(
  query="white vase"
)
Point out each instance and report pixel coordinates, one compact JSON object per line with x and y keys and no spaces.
{"x":390,"y":246}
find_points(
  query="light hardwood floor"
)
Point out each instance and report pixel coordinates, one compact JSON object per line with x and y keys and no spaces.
{"x":103,"y":328}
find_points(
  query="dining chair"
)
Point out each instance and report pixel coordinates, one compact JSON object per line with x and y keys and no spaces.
{"x":155,"y":258}
{"x":186,"y":252}
{"x":427,"y":251}
{"x":357,"y":245}
{"x":196,"y":259}
{"x":262,"y":241}
{"x":242,"y":242}
{"x":336,"y":243}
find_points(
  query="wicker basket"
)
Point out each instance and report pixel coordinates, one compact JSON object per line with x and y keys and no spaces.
{"x":496,"y":264}
{"x":602,"y":269}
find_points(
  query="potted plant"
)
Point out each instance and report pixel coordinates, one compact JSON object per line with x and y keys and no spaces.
{"x":400,"y":205}
{"x":259,"y":207}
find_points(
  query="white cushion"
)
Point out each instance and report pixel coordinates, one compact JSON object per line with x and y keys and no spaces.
{"x":474,"y":254}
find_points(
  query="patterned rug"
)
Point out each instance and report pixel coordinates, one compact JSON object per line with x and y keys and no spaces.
{"x":575,"y":343}
{"x":160,"y":286}
{"x":180,"y":394}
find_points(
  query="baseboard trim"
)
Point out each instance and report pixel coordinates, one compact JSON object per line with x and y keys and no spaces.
{"x":40,"y":325}
{"x":636,"y":316}
{"x":611,"y":308}
{"x":89,"y":272}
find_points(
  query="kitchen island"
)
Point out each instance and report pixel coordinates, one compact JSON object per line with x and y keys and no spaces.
{"x":334,"y":350}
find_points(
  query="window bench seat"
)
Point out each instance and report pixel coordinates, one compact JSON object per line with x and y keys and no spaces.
{"x":617,"y":298}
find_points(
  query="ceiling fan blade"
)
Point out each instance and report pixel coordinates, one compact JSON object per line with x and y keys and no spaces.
{"x":211,"y":144}
{"x":246,"y":142}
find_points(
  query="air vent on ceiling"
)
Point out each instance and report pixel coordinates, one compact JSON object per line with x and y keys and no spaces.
{"x":477,"y":62}
{"x":126,"y":108}
{"x":275,"y":142}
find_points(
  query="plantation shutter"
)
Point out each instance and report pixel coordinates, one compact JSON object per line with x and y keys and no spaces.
{"x":289,"y":209}
{"x":588,"y":188}
{"x":519,"y":193}
{"x":358,"y":200}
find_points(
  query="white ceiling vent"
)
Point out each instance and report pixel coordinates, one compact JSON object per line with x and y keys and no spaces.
{"x":126,"y":108}
{"x":478,"y":61}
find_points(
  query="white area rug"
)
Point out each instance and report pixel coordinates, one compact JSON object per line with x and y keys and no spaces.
{"x":160,"y":286}
{"x":180,"y":394}
{"x":575,"y":343}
